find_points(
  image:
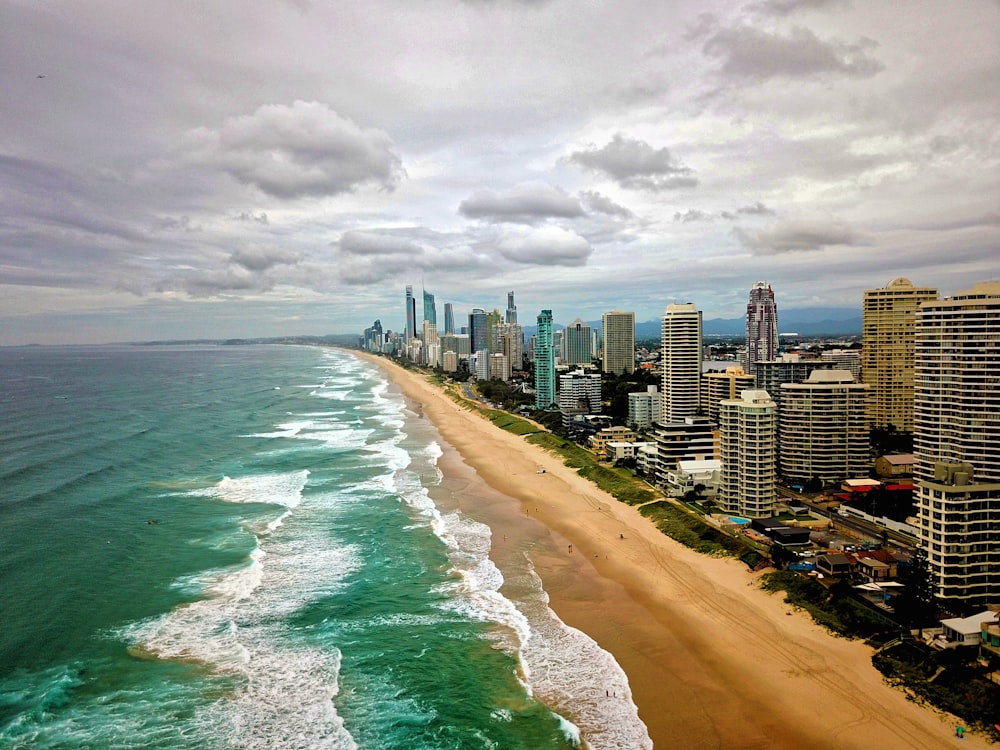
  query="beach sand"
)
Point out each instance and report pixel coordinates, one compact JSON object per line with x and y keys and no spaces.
{"x":712,"y":660}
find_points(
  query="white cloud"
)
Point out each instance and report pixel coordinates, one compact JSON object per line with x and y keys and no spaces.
{"x":796,"y":235}
{"x":545,"y":246}
{"x":525,"y":204}
{"x":633,"y":163}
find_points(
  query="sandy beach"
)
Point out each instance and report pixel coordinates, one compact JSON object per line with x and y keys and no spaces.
{"x":712,"y":660}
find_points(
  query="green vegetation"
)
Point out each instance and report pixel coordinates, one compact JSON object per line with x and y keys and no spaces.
{"x":692,"y":531}
{"x":835,"y":608}
{"x":945,"y":679}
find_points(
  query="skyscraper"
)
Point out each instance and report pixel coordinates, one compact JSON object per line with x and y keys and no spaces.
{"x":577,"y":339}
{"x":430,"y":309}
{"x":680,"y":371}
{"x":449,"y":318}
{"x":411,"y":314}
{"x":479,"y":330}
{"x":762,"y":326}
{"x":511,"y":315}
{"x":824,"y":431}
{"x":747,"y":430}
{"x":890,"y":320}
{"x":718,"y":385}
{"x":618,"y":329}
{"x":545,"y":363}
{"x":956,"y":435}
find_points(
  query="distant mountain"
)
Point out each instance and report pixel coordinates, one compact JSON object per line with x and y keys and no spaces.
{"x":806,"y":321}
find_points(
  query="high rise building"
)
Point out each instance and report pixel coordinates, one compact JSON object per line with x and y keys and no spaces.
{"x":479,"y":330}
{"x":762,"y":326}
{"x":545,"y":363}
{"x":511,"y":316}
{"x":430,"y":309}
{"x":956,"y":436}
{"x":449,"y":318}
{"x":618,"y":330}
{"x":578,"y":344}
{"x":824,"y":430}
{"x":890,"y":320}
{"x":580,"y":392}
{"x":644,"y":408}
{"x":748,"y":447}
{"x":680,"y":370}
{"x":411,"y":314}
{"x":512,"y":344}
{"x":719,"y":385}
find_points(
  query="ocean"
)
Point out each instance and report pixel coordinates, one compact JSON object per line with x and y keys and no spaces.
{"x":253,"y":547}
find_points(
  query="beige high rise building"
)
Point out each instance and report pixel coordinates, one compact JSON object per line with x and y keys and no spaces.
{"x":718,"y":385}
{"x":747,"y":429}
{"x":618,"y":330}
{"x":890,"y":319}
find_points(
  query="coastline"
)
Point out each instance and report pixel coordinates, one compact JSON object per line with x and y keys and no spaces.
{"x":712,"y":660}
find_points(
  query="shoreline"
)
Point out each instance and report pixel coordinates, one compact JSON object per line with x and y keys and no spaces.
{"x":712,"y":660}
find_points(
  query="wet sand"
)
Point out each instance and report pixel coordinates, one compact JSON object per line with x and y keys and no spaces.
{"x":712,"y":660}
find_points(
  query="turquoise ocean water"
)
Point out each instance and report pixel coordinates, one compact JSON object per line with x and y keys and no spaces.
{"x":249,"y":547}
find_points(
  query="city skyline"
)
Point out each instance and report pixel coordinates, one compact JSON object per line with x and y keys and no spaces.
{"x":166,"y":175}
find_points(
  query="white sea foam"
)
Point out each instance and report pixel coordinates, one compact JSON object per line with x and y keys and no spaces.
{"x":278,"y":489}
{"x":572,"y":674}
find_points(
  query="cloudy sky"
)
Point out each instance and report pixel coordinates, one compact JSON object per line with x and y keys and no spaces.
{"x":215,"y":168}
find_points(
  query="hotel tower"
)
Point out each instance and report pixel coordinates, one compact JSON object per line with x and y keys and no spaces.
{"x":618,"y":331}
{"x":680,"y":371}
{"x":762,"y":326}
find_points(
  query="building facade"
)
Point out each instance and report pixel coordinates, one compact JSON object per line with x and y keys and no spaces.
{"x":577,"y":344}
{"x":411,"y":314}
{"x":717,"y":386}
{"x":449,"y":318}
{"x":430,"y":308}
{"x":680,"y":368}
{"x":580,"y":393}
{"x":644,"y":408}
{"x":748,"y":448}
{"x":762,"y":326}
{"x":823,"y":428}
{"x":545,"y":363}
{"x":887,"y":360}
{"x":956,"y":436}
{"x":618,"y":331}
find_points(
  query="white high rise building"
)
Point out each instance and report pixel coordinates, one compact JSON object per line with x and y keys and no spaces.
{"x":956,"y":437}
{"x":748,"y":448}
{"x":680,"y":369}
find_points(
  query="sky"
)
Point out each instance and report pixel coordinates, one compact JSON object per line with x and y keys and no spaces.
{"x":214,"y":169}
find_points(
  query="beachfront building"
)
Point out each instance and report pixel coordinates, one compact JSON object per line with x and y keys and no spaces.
{"x":719,"y":385}
{"x":578,"y":344}
{"x":618,"y":330}
{"x":692,"y":439}
{"x":700,"y":476}
{"x":762,"y":326}
{"x":824,"y":428}
{"x":599,"y":440}
{"x":955,"y":436}
{"x":680,"y":369}
{"x":579,"y":394}
{"x":644,"y":408}
{"x":748,"y":446}
{"x":545,"y":363}
{"x":887,"y":359}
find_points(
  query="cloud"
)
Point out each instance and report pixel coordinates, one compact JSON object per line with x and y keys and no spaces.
{"x":303,"y":150}
{"x":525,"y":204}
{"x":545,"y":246}
{"x":260,"y":218}
{"x":261,"y":259}
{"x":788,"y":7}
{"x":693,"y":214}
{"x":803,"y":234}
{"x":749,"y":53}
{"x":636,"y":164}
{"x":755,"y":209}
{"x":366,"y":244}
{"x":604,"y":205}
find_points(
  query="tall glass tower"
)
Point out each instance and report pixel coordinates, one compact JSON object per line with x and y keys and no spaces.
{"x":411,"y":314}
{"x":478,"y":331}
{"x":430,"y":309}
{"x":511,"y":315}
{"x":449,"y":318}
{"x":545,"y":363}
